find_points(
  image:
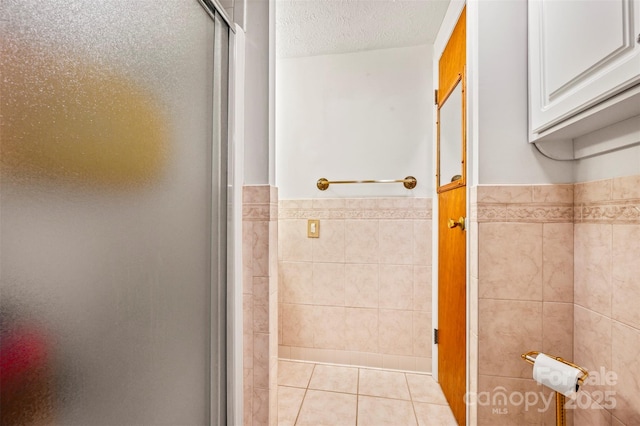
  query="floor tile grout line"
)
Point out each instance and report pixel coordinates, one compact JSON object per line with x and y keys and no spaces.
{"x":413,"y":405}
{"x":295,"y":422}
{"x":357,"y":394}
{"x":313,"y":370}
{"x":305,"y":395}
{"x":291,"y":386}
{"x":373,"y":396}
{"x":334,"y":391}
{"x":409,"y":387}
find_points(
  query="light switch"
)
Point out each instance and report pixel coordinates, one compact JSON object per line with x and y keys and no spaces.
{"x":313,"y":228}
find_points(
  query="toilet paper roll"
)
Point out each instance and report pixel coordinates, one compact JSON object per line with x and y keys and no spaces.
{"x":556,"y":375}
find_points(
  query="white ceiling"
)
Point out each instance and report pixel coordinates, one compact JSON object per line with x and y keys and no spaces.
{"x":319,"y":27}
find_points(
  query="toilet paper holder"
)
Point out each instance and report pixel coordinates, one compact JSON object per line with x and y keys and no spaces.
{"x":530,"y":358}
{"x":561,"y":419}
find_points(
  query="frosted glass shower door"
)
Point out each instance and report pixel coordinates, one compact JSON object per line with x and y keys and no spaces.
{"x":112,"y":212}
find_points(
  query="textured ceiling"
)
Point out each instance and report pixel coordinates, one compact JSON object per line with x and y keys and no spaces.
{"x":318,"y":27}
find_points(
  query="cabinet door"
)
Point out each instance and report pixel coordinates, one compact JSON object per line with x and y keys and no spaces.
{"x":580,"y":53}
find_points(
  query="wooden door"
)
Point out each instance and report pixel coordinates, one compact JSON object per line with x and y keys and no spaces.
{"x":452,"y":297}
{"x":452,"y":300}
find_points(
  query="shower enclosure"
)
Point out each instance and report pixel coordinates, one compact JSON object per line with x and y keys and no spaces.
{"x":113,"y":212}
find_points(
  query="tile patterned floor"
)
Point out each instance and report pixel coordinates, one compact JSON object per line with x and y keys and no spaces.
{"x":321,"y":394}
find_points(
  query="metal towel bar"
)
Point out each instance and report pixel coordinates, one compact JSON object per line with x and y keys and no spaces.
{"x":409,"y":182}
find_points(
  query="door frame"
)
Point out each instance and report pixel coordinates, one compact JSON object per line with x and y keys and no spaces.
{"x":235,"y":395}
{"x":232,"y":402}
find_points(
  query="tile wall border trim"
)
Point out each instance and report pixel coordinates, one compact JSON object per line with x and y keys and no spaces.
{"x":609,"y":209}
{"x":523,"y":212}
{"x":371,"y":208}
{"x":611,"y":212}
{"x":259,"y":203}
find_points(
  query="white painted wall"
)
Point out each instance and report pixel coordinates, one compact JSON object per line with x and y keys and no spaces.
{"x":497,"y":78}
{"x":365,"y":115}
{"x":624,"y":162}
{"x":272,"y":94}
{"x":256,"y":99}
{"x":497,"y":58}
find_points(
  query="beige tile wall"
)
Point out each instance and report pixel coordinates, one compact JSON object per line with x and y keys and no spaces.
{"x":521,"y":248}
{"x":607,"y":298}
{"x":554,"y":268}
{"x":361,"y":293}
{"x":260,"y":300}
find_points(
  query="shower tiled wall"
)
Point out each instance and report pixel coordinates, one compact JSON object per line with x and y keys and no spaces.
{"x":607,"y":299}
{"x":521,"y":278}
{"x":361,"y":293}
{"x":260,"y":304}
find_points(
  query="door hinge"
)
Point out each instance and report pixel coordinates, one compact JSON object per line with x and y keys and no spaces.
{"x":435,"y":336}
{"x":435,"y":98}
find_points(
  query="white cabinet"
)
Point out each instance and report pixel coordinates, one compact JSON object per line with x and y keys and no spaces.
{"x":584,"y":60}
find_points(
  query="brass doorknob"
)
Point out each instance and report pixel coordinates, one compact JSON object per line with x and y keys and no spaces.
{"x":453,"y":224}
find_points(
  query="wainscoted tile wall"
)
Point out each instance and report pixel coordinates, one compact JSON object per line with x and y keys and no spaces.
{"x":521,"y":279}
{"x":607,"y":298}
{"x":361,"y":293}
{"x":555,"y":268}
{"x":260,"y":300}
